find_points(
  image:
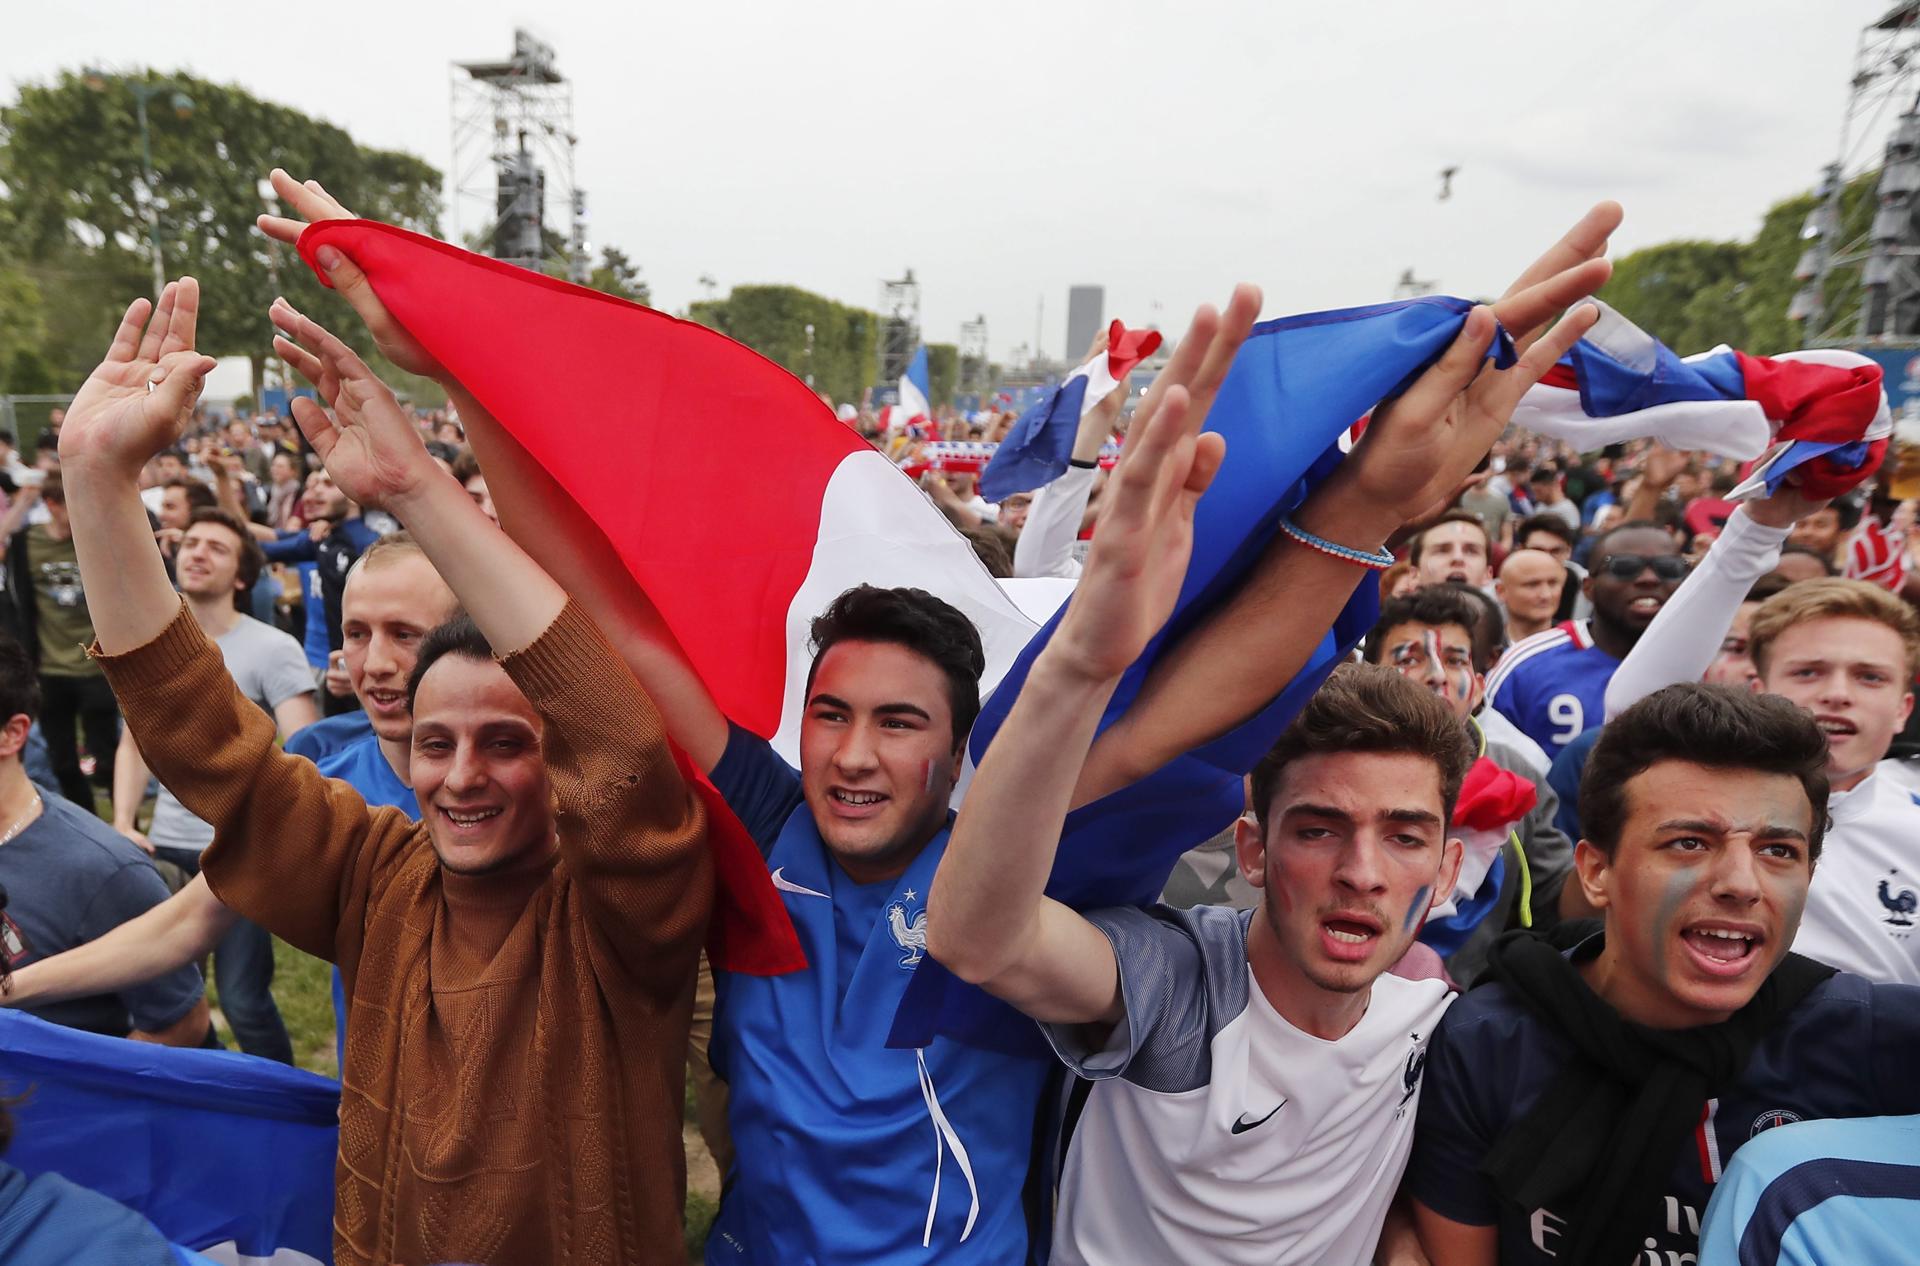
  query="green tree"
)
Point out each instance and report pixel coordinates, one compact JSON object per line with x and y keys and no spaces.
{"x":618,"y":275}
{"x":943,"y":372}
{"x":1657,"y":288}
{"x":773,"y":321}
{"x":70,"y":163}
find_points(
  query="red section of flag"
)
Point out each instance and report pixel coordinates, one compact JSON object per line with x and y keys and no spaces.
{"x":1830,"y":404}
{"x":1127,"y":348}
{"x":619,"y":406}
{"x":1561,"y":375}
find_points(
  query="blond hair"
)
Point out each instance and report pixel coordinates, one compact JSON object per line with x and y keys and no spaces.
{"x":1833,"y":598}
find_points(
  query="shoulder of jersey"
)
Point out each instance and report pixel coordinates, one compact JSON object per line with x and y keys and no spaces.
{"x":1528,"y":647}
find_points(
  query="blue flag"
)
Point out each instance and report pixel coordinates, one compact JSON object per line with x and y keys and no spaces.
{"x":1293,"y":392}
{"x":212,"y":1147}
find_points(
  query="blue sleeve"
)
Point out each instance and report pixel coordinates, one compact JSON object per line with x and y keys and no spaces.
{"x":1453,"y":1132}
{"x":761,"y":789}
{"x":291,"y":547}
{"x":130,"y":892}
{"x":1896,"y":1036}
{"x":1564,"y":778}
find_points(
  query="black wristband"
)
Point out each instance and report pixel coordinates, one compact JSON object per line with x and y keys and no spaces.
{"x":1077,"y":464}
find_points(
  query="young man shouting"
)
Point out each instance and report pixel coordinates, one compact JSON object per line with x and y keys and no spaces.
{"x":521,"y":975}
{"x":1580,"y":1107}
{"x":1847,"y":652}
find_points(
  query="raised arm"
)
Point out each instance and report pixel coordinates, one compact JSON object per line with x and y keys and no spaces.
{"x":1415,"y":452}
{"x":275,"y":819}
{"x":586,"y":564}
{"x":1685,"y":636}
{"x":988,"y":918}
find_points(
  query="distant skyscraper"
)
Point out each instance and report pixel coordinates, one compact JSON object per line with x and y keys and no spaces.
{"x":1086,"y":313}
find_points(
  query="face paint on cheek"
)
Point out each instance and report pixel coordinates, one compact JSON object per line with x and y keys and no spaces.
{"x":1665,"y":920}
{"x":1416,"y":909}
{"x":927,"y":780}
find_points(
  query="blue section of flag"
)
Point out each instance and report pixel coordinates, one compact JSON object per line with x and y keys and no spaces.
{"x":1851,"y":455}
{"x":1296,"y":386}
{"x":1632,"y":374}
{"x":210,"y":1146}
{"x":917,"y":372}
{"x":1036,"y":450}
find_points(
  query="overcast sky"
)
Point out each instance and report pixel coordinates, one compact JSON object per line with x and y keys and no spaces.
{"x":1005,"y":149}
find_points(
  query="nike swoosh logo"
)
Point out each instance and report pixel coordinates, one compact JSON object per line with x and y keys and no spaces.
{"x":784,"y":884}
{"x":1243,"y":1125}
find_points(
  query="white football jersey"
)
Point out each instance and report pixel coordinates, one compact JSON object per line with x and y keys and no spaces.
{"x":1215,"y":1130}
{"x":1861,"y":911}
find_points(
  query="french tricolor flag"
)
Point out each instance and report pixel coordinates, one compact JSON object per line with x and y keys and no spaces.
{"x":1823,"y":411}
{"x":913,"y":408}
{"x":637,"y":467}
{"x":1039,"y":445}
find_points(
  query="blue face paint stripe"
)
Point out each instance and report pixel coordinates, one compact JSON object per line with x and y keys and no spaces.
{"x":1418,"y":908}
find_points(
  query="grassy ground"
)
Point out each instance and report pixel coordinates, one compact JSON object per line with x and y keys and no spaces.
{"x":303,"y":984}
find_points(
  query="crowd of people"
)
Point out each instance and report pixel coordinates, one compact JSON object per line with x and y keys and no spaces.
{"x":1594,"y":862}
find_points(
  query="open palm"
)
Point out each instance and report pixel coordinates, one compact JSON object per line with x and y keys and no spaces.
{"x":138,"y":399}
{"x":368,"y":444}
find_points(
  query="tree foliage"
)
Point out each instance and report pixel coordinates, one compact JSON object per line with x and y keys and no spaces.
{"x":943,"y":372}
{"x":772,"y":320}
{"x":1693,"y":295}
{"x":72,"y":223}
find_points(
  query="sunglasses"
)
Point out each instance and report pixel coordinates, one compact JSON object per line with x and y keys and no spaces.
{"x":1627,"y":566}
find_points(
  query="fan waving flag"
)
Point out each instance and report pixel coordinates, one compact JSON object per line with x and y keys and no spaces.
{"x":646,"y":443}
{"x":1825,"y":409}
{"x":1286,"y":409}
{"x":1037,"y":448}
{"x":224,"y":1153}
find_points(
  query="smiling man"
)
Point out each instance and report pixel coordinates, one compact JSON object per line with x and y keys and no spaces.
{"x":1580,"y":1107}
{"x":521,"y":962}
{"x":1553,"y":685}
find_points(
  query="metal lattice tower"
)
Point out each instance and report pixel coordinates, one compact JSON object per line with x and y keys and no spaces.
{"x":513,"y":171}
{"x":899,"y":327}
{"x":1885,"y":66}
{"x":973,"y":357}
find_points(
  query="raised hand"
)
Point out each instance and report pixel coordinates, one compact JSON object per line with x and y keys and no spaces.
{"x":1139,"y":558}
{"x":314,"y":204}
{"x":369,"y":446}
{"x":137,"y":401}
{"x":1419,"y":447}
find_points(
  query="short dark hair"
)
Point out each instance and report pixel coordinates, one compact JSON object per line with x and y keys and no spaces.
{"x":47,"y":441}
{"x":1369,"y":708}
{"x":253,"y":560}
{"x":465,"y":466}
{"x":917,"y":620}
{"x":459,"y":637}
{"x":1451,"y":516}
{"x":199,"y":495}
{"x":1490,"y":632}
{"x":990,"y":547}
{"x":1721,"y":727}
{"x":1549,"y":523}
{"x":1809,"y":552}
{"x":19,"y":683}
{"x":1432,"y":605}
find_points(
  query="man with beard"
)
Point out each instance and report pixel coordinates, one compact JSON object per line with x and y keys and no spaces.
{"x":1580,"y":1106}
{"x":1847,"y":652}
{"x":1553,"y":685}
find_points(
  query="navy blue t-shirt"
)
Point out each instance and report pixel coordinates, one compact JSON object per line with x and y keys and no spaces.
{"x":1848,"y":1050}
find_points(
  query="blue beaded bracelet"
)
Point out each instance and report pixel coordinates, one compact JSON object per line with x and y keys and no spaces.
{"x":1377,"y":560}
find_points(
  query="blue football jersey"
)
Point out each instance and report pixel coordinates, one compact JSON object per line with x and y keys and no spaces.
{"x":1819,"y":1192}
{"x":1553,"y":685}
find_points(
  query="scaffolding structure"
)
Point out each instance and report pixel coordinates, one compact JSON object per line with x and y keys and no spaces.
{"x":513,"y":161}
{"x":975,"y":370}
{"x":1885,"y":65}
{"x":899,"y":327}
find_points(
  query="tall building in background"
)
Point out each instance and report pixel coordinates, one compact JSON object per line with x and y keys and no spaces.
{"x":1086,"y":313}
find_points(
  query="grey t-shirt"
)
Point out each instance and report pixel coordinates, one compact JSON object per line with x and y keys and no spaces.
{"x":270,"y":668}
{"x":71,"y":878}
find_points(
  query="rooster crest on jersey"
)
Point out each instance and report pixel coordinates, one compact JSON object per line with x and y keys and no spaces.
{"x":909,"y":932}
{"x":1901,"y":904}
